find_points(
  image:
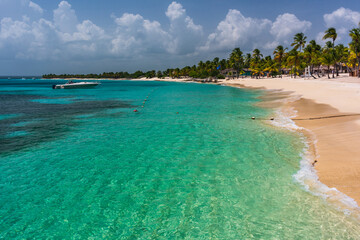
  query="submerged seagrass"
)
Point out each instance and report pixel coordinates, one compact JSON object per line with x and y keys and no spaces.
{"x":189,"y":164}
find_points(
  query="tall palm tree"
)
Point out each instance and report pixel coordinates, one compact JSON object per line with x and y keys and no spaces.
{"x":247,"y":60}
{"x":330,"y":33}
{"x":223,"y":64}
{"x":355,"y":45}
{"x":257,"y":54}
{"x":293,"y":60}
{"x":279,"y":54}
{"x":255,"y":63}
{"x":341,"y":56}
{"x":312,"y":54}
{"x":327,"y":59}
{"x":237,"y":60}
{"x":329,"y":49}
{"x":299,"y":41}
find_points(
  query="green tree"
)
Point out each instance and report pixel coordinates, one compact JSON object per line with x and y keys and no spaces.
{"x":299,"y":41}
{"x":279,"y":55}
{"x":355,"y":45}
{"x":330,"y":33}
{"x":256,"y":66}
{"x":327,"y":59}
{"x":236,"y":60}
{"x":247,"y":60}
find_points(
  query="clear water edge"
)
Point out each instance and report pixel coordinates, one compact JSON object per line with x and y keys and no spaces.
{"x":307,"y":174}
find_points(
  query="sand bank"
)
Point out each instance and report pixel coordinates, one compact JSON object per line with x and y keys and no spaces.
{"x":337,"y":149}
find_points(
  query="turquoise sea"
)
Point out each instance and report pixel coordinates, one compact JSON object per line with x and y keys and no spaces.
{"x":190,"y":164}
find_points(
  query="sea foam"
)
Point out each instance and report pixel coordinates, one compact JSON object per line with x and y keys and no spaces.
{"x":307,"y":174}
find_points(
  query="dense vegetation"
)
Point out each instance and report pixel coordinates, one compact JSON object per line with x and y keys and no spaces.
{"x":327,"y":59}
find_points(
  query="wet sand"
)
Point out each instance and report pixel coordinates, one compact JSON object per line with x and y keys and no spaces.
{"x":337,"y":149}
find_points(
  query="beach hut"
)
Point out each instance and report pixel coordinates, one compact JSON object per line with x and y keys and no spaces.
{"x":229,"y":73}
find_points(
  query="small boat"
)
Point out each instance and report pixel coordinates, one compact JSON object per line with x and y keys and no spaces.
{"x":70,"y":84}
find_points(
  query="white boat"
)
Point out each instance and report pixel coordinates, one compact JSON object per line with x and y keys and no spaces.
{"x":71,"y":84}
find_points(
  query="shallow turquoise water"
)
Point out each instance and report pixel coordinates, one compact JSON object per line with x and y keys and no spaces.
{"x":188,"y":165}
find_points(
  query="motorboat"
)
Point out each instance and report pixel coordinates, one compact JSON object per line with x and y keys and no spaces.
{"x":71,"y":84}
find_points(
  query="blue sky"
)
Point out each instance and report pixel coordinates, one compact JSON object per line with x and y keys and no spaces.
{"x":93,"y":36}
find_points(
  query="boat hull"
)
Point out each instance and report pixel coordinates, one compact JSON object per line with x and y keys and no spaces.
{"x":76,"y":85}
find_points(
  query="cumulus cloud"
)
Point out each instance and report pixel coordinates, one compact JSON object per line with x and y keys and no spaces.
{"x":65,"y":18}
{"x":25,"y":34}
{"x":175,"y":10}
{"x":17,"y":9}
{"x":186,"y":36}
{"x":135,"y":35}
{"x":62,"y":38}
{"x":343,"y":19}
{"x":35,"y":7}
{"x":248,"y":33}
{"x":286,"y":25}
{"x":237,"y":30}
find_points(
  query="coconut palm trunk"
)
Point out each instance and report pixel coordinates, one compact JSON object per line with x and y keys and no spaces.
{"x":358,"y":67}
{"x":329,"y":72}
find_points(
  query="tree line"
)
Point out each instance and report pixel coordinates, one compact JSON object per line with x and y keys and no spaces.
{"x":302,"y":55}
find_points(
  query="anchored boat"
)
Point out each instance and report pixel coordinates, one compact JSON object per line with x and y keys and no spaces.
{"x":71,"y":84}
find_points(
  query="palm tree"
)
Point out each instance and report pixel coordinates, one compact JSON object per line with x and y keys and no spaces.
{"x":299,"y":41}
{"x":355,"y":45}
{"x":330,"y":33}
{"x":329,"y":48}
{"x":236,"y":60}
{"x":215,"y":62}
{"x":272,"y":68}
{"x":223,"y":64}
{"x":341,"y":54}
{"x":247,"y":60}
{"x":293,"y":60}
{"x":257,"y":54}
{"x":312,"y":54}
{"x":279,"y":54}
{"x":327,"y":59}
{"x":255,"y":63}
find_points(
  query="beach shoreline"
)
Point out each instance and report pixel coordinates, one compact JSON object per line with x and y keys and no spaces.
{"x":330,"y":110}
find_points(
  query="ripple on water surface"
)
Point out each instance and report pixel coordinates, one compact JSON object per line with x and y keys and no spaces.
{"x":189,"y":165}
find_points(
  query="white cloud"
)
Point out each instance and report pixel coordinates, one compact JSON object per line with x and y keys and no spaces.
{"x":36,"y":7}
{"x":248,"y":33}
{"x":17,"y":9}
{"x":342,"y":19}
{"x":13,"y":30}
{"x":65,"y":37}
{"x":236,"y":30}
{"x":286,"y":25}
{"x":186,"y":36}
{"x":136,"y":35}
{"x":65,"y":18}
{"x":175,"y":10}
